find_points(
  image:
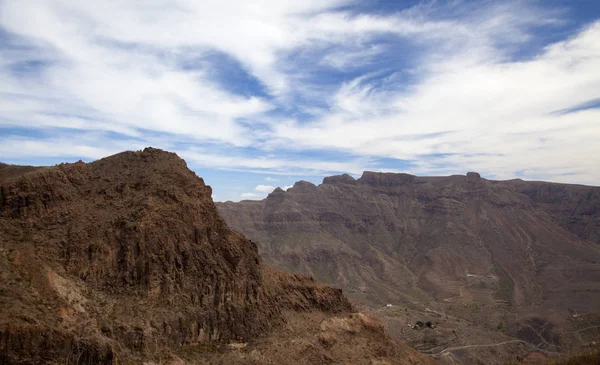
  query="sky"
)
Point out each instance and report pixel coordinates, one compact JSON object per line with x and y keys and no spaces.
{"x":260,"y":94}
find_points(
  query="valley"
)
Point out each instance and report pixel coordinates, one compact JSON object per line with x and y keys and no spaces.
{"x":500,"y":267}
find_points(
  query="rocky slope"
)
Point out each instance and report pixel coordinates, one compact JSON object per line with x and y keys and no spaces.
{"x":515,"y":259}
{"x":574,"y":207}
{"x":126,"y":260}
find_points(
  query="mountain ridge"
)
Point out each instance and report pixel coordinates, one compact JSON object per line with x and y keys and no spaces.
{"x":484,"y":251}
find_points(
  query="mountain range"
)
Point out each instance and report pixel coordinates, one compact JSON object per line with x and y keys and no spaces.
{"x":489,"y":261}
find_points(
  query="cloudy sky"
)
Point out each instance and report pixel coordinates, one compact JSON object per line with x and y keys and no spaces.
{"x":259,"y":94}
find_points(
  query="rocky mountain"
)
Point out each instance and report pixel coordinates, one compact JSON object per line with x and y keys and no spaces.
{"x":126,"y":260}
{"x":494,"y":261}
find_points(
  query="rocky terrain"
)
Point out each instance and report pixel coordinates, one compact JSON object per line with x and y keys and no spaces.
{"x":125,"y":260}
{"x":502,"y":269}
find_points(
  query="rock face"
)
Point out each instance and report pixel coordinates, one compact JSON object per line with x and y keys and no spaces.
{"x":127,"y":258}
{"x":488,"y":251}
{"x":574,"y":207}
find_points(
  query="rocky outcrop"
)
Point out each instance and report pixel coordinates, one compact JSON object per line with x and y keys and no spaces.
{"x":386,"y":179}
{"x":473,"y":176}
{"x":126,"y":259}
{"x":303,"y":293}
{"x":138,"y":226}
{"x":339,"y":179}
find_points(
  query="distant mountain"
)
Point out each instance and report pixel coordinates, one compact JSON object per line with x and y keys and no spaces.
{"x":126,"y":260}
{"x":511,"y":256}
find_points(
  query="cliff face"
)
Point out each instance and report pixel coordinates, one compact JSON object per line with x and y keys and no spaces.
{"x":485,"y":251}
{"x":127,"y":258}
{"x":574,"y":207}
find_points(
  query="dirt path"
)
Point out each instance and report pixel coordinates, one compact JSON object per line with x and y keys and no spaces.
{"x":443,"y":352}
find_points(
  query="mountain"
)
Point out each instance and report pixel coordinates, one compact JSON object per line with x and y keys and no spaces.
{"x":491,"y":261}
{"x":126,"y":260}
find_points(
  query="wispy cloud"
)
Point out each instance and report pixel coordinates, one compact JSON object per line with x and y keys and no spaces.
{"x":475,"y":110}
{"x":306,"y":88}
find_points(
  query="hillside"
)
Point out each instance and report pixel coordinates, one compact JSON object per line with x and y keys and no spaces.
{"x":126,"y":260}
{"x":491,"y":261}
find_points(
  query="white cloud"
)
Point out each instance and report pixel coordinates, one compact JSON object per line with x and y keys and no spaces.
{"x":116,"y":64}
{"x":455,"y":86}
{"x":263,"y":191}
{"x":249,"y":195}
{"x":98,"y":145}
{"x":274,"y":165}
{"x":348,"y":59}
{"x":84,"y":146}
{"x":478,"y":112}
{"x":265,"y":188}
{"x":269,"y":188}
{"x":125,"y":42}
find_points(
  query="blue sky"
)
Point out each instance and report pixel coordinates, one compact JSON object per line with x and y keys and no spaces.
{"x":261,"y":94}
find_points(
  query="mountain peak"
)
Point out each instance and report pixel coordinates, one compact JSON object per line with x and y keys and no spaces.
{"x":473,"y":176}
{"x":339,"y":179}
{"x":304,"y":186}
{"x":140,"y":231}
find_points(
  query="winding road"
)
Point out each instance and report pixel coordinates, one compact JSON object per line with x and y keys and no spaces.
{"x":443,"y":352}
